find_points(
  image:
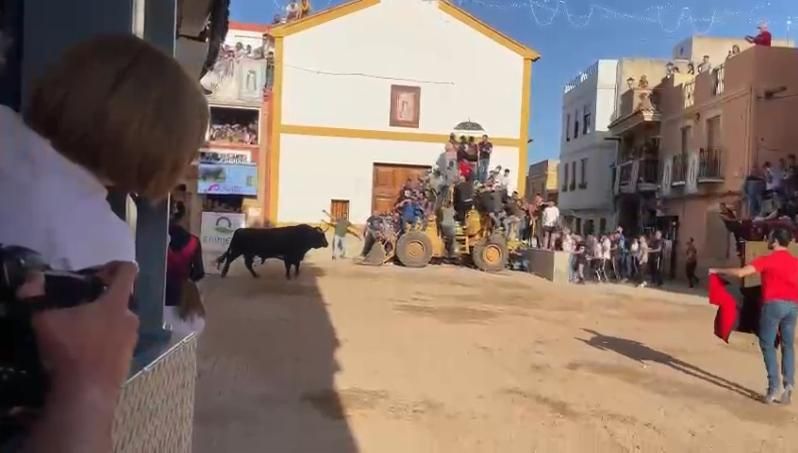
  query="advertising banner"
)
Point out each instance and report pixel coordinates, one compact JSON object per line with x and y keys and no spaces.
{"x":215,"y":235}
{"x":226,"y":179}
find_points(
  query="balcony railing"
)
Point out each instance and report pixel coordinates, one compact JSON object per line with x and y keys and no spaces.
{"x":648,"y":174}
{"x":710,"y":165}
{"x":718,"y":80}
{"x":625,"y":173}
{"x":688,"y":94}
{"x":679,"y":170}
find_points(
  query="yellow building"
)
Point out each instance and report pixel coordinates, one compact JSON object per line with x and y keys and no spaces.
{"x":542,"y":179}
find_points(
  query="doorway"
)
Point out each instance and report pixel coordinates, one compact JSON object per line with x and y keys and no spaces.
{"x":388,"y":182}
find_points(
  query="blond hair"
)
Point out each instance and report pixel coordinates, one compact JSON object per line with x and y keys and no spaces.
{"x":123,"y":110}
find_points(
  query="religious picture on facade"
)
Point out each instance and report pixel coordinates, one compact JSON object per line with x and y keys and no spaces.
{"x":405,"y":106}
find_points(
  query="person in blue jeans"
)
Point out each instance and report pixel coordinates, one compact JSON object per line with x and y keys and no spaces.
{"x":779,"y":272}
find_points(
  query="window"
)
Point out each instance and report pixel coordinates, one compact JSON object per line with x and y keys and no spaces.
{"x":573,"y":176}
{"x":583,"y":174}
{"x":713,"y":133}
{"x":602,"y":225}
{"x":686,"y":132}
{"x":568,"y":128}
{"x":576,"y":124}
{"x":565,"y":178}
{"x":578,"y":229}
{"x":586,"y":121}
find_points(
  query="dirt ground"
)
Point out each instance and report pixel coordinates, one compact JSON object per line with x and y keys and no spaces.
{"x":356,"y":359}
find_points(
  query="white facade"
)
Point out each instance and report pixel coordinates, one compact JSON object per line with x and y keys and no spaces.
{"x":589,"y":104}
{"x":319,"y":169}
{"x":335,"y":98}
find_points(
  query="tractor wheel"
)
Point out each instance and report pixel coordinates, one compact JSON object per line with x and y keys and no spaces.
{"x":491,"y":254}
{"x":376,"y":256}
{"x":414,"y":249}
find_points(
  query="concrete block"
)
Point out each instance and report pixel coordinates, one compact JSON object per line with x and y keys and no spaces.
{"x":551,"y":265}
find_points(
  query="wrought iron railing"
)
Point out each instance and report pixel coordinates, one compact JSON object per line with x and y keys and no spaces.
{"x":688,"y":94}
{"x":718,"y":80}
{"x":648,"y":172}
{"x":710,"y":164}
{"x":625,"y":173}
{"x":679,"y":169}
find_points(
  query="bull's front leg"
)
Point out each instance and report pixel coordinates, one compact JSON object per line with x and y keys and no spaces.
{"x":296,"y":267}
{"x":287,"y":263}
{"x":249,"y":260}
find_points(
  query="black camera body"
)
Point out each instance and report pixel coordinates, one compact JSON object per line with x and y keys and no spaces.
{"x":23,"y":381}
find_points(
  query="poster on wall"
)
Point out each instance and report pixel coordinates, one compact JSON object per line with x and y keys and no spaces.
{"x":215,"y":234}
{"x":405,"y":106}
{"x":224,"y":156}
{"x":224,"y":179}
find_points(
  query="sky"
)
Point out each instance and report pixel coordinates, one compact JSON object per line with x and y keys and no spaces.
{"x":572,"y":34}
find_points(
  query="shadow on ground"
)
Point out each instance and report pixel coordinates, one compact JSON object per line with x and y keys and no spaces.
{"x":640,"y":352}
{"x":266,"y":367}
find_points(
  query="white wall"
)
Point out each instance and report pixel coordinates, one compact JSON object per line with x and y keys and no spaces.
{"x":339,"y":74}
{"x":315,"y":170}
{"x":253,"y":38}
{"x":597,"y":91}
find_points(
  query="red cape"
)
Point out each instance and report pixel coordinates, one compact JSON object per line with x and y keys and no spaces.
{"x":728,"y":317}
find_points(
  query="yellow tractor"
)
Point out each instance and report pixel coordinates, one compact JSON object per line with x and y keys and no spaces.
{"x":422,"y":243}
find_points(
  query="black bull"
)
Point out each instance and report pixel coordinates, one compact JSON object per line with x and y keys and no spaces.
{"x":287,"y":243}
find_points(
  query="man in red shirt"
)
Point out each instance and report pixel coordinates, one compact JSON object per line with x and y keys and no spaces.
{"x":763,"y":38}
{"x":779,"y":271}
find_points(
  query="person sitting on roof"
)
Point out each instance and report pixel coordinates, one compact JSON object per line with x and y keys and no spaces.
{"x":304,"y":8}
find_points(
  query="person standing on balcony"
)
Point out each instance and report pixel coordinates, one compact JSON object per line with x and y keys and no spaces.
{"x":705,"y":66}
{"x":763,"y":38}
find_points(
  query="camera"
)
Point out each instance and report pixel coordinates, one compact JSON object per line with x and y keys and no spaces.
{"x":23,"y":381}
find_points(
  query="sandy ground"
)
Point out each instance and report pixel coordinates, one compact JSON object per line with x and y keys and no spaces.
{"x":351,"y":358}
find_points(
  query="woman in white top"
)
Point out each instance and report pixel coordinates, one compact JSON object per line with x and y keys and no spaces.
{"x":569,"y":246}
{"x":113,"y":111}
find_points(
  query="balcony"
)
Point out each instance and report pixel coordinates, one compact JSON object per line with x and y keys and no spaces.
{"x":638,"y":105}
{"x":688,"y":94}
{"x":679,"y":170}
{"x":638,"y":175}
{"x":718,"y":80}
{"x":710,"y":166}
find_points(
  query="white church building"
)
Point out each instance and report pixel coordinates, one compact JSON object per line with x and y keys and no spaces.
{"x":366,"y":94}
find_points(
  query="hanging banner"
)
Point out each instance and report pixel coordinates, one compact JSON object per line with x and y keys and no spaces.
{"x":224,"y":179}
{"x":225,"y":156}
{"x":218,"y":228}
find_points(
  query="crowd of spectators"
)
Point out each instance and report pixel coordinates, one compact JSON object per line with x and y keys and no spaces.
{"x":294,"y":10}
{"x":234,"y":133}
{"x":615,"y":256}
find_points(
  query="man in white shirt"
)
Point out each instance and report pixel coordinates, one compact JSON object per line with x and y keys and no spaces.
{"x":551,"y":219}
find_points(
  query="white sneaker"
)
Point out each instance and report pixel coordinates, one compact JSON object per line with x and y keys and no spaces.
{"x":642,"y":285}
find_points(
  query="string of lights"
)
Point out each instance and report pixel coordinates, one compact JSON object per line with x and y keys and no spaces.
{"x":546,"y":12}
